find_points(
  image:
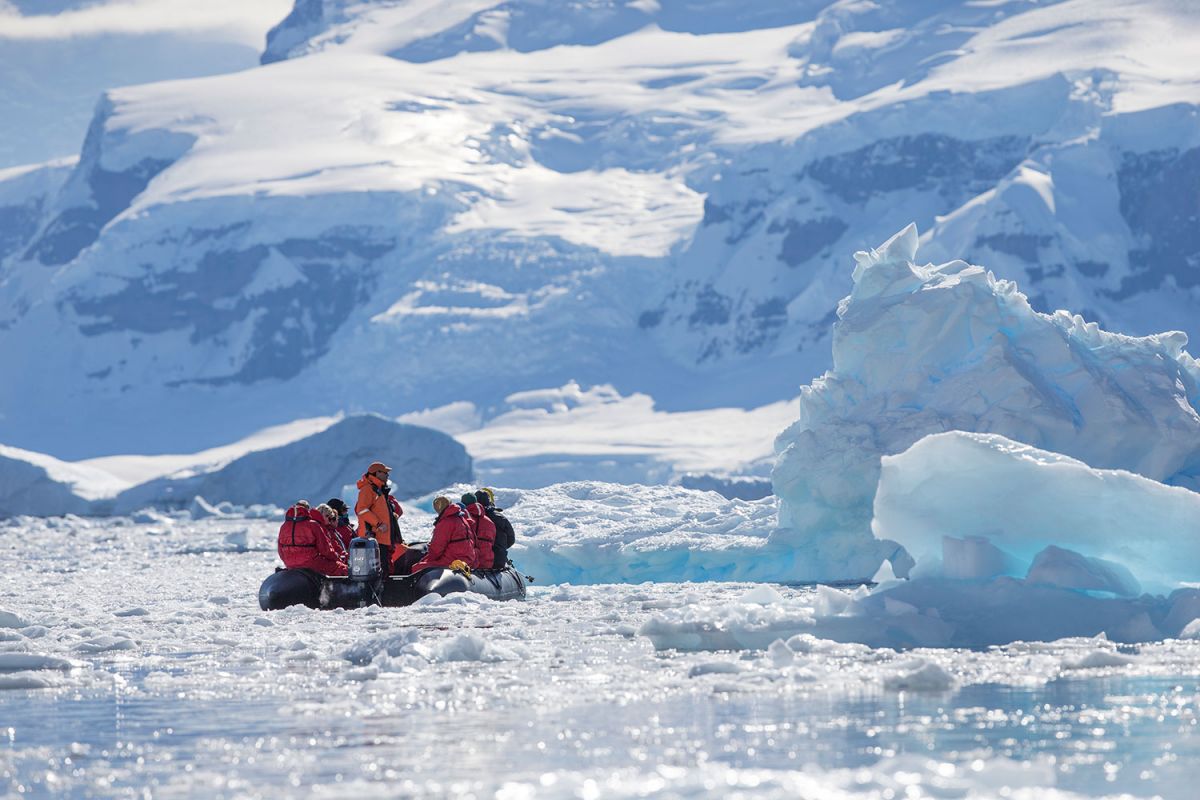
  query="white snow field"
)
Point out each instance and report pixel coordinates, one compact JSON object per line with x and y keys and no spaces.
{"x":919,"y":350}
{"x":538,"y":438}
{"x":156,"y":674}
{"x":421,"y":203}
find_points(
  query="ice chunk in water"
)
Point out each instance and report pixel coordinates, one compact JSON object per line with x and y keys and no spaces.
{"x":1023,"y":499}
{"x":761,"y":595}
{"x":10,"y":619}
{"x":202,"y":509}
{"x":1098,"y":659}
{"x":920,"y":676}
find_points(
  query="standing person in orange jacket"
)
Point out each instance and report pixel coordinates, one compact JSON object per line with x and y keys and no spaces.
{"x":379,"y":513}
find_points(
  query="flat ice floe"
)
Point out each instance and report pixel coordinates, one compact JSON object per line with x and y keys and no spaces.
{"x":590,"y":532}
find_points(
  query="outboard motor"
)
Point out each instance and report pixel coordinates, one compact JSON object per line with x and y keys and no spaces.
{"x":363,"y":560}
{"x":363,"y":584}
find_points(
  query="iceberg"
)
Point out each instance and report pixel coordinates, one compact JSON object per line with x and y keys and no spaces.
{"x":1011,"y":543}
{"x":920,"y":350}
{"x":930,"y":612}
{"x":316,"y":467}
{"x":38,"y":484}
{"x":1108,"y":530}
{"x":257,"y":474}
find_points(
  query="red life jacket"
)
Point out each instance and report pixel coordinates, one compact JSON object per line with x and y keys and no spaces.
{"x":452,"y":540}
{"x":305,"y":542}
{"x":485,"y":536}
{"x":345,"y":533}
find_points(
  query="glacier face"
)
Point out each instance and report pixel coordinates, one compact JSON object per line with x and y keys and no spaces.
{"x":420,"y":203}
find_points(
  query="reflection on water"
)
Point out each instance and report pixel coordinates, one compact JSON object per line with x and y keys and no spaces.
{"x":1097,"y":736}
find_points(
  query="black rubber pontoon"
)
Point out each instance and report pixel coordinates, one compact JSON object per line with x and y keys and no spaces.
{"x":291,"y":587}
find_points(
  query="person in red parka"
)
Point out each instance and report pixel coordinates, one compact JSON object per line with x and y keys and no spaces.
{"x":452,"y":539}
{"x":485,"y":531}
{"x":344,"y":529}
{"x":305,"y":543}
{"x":329,"y":522}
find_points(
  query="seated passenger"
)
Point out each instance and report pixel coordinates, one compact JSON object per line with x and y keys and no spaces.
{"x":485,"y":532}
{"x":329,"y":523}
{"x":505,"y":536}
{"x":305,"y":543}
{"x":451,"y":537}
{"x":344,"y":528}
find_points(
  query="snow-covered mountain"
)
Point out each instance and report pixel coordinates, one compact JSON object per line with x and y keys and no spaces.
{"x":412,"y":203}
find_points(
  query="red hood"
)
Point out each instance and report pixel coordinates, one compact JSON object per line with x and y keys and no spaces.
{"x":476,"y":510}
{"x":451,"y":510}
{"x":297,"y":512}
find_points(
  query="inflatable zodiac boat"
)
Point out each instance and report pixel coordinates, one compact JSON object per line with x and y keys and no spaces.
{"x":366,"y":586}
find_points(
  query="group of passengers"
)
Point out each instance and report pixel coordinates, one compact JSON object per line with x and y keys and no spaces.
{"x":473,"y":531}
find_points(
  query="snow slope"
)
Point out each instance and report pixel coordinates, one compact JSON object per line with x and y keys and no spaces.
{"x":919,"y":350}
{"x":530,"y":440}
{"x":494,"y":198}
{"x":34,"y":483}
{"x":544,"y":437}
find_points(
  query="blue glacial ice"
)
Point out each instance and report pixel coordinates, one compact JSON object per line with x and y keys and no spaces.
{"x":921,"y":350}
{"x":1016,"y":500}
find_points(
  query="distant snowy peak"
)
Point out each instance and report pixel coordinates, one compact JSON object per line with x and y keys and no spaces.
{"x":116,"y":164}
{"x":430,"y":30}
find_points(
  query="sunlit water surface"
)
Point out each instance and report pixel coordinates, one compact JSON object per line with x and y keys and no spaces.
{"x":181,"y":686}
